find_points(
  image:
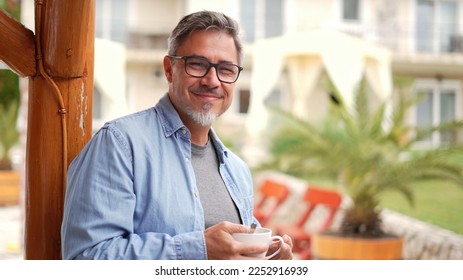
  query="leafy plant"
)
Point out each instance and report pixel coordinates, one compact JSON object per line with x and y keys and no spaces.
{"x":9,"y":107}
{"x":12,"y":7}
{"x":9,"y":135}
{"x":366,"y":151}
{"x":9,"y":99}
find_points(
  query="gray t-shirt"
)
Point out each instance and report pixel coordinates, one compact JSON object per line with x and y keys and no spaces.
{"x":216,"y":201}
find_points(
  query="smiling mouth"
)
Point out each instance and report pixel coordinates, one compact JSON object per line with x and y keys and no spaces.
{"x":208,"y":97}
{"x":206,"y":93}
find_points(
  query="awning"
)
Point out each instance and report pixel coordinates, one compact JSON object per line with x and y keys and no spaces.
{"x":305,"y":56}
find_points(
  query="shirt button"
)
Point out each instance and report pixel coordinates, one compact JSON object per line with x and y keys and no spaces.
{"x":196,"y":194}
{"x":184,"y":131}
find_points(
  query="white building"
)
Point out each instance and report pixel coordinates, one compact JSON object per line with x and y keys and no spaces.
{"x":424,"y":39}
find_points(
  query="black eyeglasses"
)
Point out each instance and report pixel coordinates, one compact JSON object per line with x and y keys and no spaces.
{"x":198,"y":67}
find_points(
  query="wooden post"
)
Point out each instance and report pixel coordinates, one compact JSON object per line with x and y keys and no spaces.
{"x":62,"y":89}
{"x":59,"y":61}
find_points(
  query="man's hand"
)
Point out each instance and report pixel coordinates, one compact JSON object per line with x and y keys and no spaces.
{"x":221,"y":245}
{"x":286,"y":252}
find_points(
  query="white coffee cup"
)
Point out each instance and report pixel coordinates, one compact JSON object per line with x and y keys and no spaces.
{"x":260,"y":235}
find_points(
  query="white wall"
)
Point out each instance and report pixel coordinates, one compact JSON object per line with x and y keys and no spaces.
{"x":229,"y":7}
{"x":154,"y":16}
{"x":302,"y":15}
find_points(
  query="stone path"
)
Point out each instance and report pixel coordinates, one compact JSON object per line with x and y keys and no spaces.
{"x":11,"y":222}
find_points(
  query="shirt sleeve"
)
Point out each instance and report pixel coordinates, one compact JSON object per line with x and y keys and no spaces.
{"x":99,"y":208}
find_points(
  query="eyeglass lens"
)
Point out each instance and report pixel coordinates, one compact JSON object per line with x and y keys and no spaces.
{"x":199,"y":67}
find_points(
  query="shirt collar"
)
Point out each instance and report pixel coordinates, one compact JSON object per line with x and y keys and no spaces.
{"x":169,"y":117}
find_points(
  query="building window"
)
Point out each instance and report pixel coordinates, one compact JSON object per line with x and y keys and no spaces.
{"x":436,"y":24}
{"x":244,"y":99}
{"x":111,"y":20}
{"x":273,"y":18}
{"x":438,"y":106}
{"x":447,"y":113}
{"x":97,"y":111}
{"x":351,"y":10}
{"x":261,"y":18}
{"x":248,"y":19}
{"x":275,"y":98}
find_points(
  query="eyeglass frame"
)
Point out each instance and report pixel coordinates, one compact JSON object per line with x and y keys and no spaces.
{"x":215,"y":65}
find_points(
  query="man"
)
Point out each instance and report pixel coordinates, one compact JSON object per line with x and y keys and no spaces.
{"x":159,"y":184}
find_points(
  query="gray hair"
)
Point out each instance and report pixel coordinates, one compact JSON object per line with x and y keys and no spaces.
{"x":204,"y":20}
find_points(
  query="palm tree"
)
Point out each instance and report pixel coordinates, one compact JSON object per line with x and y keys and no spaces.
{"x":366,"y":152}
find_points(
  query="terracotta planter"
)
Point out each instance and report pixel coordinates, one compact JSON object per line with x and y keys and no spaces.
{"x":9,"y":187}
{"x":338,"y":247}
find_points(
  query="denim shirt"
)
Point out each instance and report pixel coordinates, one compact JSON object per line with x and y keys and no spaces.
{"x":132,"y":194}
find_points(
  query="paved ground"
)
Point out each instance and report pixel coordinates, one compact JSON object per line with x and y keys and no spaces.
{"x":11,"y":233}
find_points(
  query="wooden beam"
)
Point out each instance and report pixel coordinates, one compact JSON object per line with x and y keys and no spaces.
{"x":17,"y":47}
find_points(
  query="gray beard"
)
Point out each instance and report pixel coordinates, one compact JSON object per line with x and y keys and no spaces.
{"x":203,"y":118}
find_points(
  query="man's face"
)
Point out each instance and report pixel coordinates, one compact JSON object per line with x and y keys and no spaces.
{"x":201,"y":100}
